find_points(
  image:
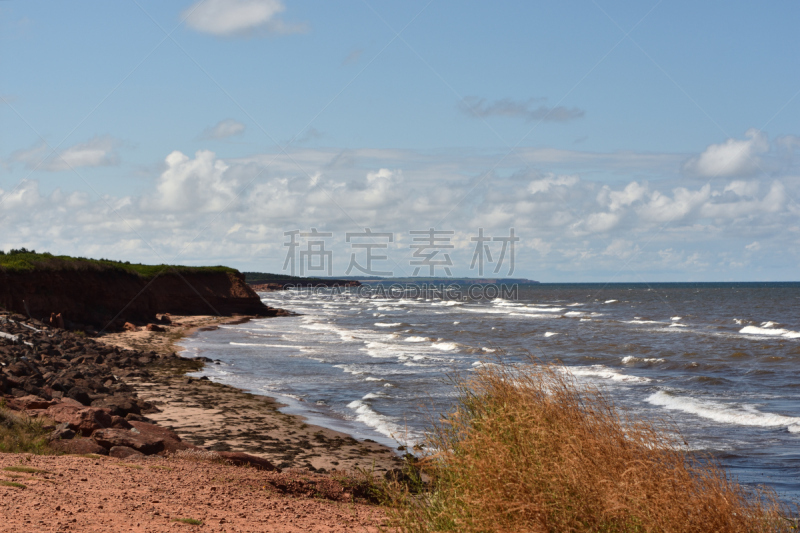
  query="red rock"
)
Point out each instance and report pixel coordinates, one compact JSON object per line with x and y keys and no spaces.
{"x":108,"y":438}
{"x":242,"y":459}
{"x":130,"y":327}
{"x":153,"y":327}
{"x":123,"y":452}
{"x":78,"y":446}
{"x":172,"y":442}
{"x":28,"y":402}
{"x":117,"y":422}
{"x":70,"y":401}
{"x":83,"y":420}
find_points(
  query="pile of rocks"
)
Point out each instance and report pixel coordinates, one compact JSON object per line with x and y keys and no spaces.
{"x":78,"y":384}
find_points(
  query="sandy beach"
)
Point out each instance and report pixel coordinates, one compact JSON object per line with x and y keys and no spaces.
{"x":223,"y":418}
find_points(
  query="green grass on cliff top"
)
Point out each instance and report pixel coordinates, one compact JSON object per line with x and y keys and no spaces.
{"x":29,"y":261}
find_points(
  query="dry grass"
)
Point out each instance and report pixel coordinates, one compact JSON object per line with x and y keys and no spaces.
{"x":21,"y":434}
{"x":532,"y":450}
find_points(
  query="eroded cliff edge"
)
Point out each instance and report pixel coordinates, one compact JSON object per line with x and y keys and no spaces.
{"x":91,"y":294}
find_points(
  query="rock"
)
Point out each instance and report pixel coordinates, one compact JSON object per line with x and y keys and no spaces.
{"x":118,"y":405}
{"x":165,"y":319}
{"x":80,"y":394}
{"x":28,"y":402}
{"x":117,"y":422}
{"x":129,"y":327}
{"x":62,"y":432}
{"x":83,"y":420}
{"x":108,"y":438}
{"x":242,"y":459}
{"x":153,"y":327}
{"x":123,"y":452}
{"x":78,"y":446}
{"x":172,"y":442}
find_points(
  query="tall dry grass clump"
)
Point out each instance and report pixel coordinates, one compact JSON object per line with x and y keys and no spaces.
{"x":533,"y":450}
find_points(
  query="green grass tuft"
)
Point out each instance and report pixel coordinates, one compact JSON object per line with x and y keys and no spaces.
{"x":12,"y":484}
{"x":24,"y":469}
{"x":190,"y":521}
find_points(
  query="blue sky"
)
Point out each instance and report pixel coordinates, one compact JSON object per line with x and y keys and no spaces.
{"x":624,"y":141}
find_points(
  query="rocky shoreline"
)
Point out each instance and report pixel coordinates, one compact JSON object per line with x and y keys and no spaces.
{"x":112,"y":396}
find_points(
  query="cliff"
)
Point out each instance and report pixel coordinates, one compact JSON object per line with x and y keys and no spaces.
{"x":105,"y":294}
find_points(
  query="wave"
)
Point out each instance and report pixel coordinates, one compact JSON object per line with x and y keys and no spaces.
{"x":388,"y":324}
{"x":629,"y":360}
{"x":381,"y":423}
{"x":445,"y":346}
{"x":550,"y":334}
{"x":726,"y":414}
{"x":600,"y":371}
{"x":770,"y":331}
{"x":611,"y":301}
{"x":417,"y":339}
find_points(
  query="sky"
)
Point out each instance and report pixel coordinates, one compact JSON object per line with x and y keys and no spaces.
{"x":619,"y":141}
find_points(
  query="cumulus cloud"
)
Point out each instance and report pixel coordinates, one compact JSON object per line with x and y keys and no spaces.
{"x":199,"y":184}
{"x":228,"y":18}
{"x":216,"y":209}
{"x":223,"y":129}
{"x":734,"y":157}
{"x":97,"y":152}
{"x":531,"y":110}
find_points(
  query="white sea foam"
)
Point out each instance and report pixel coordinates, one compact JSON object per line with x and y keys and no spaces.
{"x":676,"y":318}
{"x":381,"y":423}
{"x":370,"y":378}
{"x":573,"y":305}
{"x":600,"y":371}
{"x":720,"y":412}
{"x":550,"y":334}
{"x":456,"y":323}
{"x":770,"y":332}
{"x":488,"y":350}
{"x":629,"y":360}
{"x":388,"y":324}
{"x":445,"y":346}
{"x":417,"y":339}
{"x":265,"y":345}
{"x":572,"y":314}
{"x":638,"y":321}
{"x":611,"y":301}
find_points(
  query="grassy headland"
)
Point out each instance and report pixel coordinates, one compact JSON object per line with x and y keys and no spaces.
{"x":23,"y":260}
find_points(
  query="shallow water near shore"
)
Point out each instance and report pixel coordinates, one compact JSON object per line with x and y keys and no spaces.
{"x":719,"y":360}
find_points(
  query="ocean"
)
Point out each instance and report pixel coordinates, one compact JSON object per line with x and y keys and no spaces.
{"x":719,"y":360}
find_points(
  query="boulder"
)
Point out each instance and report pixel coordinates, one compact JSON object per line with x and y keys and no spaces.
{"x":153,"y":327}
{"x":80,"y":394}
{"x":62,"y":432}
{"x":123,"y":452}
{"x":117,"y":422}
{"x":78,"y":446}
{"x":130,"y":327}
{"x":83,"y":420}
{"x":28,"y":402}
{"x":172,"y":442}
{"x":108,"y":438}
{"x":118,"y":405}
{"x":245,"y":459}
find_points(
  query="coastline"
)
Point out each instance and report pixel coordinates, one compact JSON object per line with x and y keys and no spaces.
{"x":224,"y":418}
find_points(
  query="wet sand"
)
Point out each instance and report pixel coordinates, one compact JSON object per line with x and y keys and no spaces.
{"x":223,"y":418}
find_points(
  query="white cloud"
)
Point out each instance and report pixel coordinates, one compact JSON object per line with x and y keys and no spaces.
{"x":544,"y":185}
{"x":229,"y":210}
{"x":732,"y":158}
{"x":96,"y":152}
{"x":228,"y":18}
{"x":198,"y":185}
{"x":223,"y":129}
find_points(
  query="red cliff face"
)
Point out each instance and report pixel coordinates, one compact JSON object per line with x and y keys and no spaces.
{"x":108,"y":299}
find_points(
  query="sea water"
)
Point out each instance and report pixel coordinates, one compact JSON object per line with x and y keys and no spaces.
{"x":721,"y":360}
